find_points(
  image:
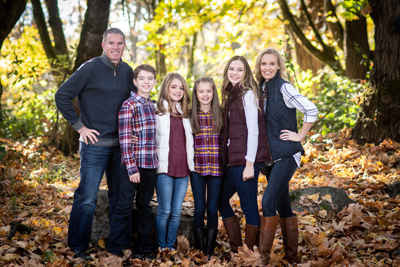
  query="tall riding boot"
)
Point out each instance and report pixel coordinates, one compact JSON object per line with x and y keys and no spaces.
{"x":267,"y":235}
{"x":290,"y":235}
{"x":199,"y":238}
{"x":233,"y":230}
{"x":210,"y":241}
{"x":252,"y":236}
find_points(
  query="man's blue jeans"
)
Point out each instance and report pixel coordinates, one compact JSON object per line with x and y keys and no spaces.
{"x":121,"y":224}
{"x":199,"y":184}
{"x":95,"y":161}
{"x":247,"y":192}
{"x":171,"y":192}
{"x":276,"y":196}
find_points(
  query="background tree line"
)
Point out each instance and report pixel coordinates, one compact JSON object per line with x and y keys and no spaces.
{"x":343,"y":54}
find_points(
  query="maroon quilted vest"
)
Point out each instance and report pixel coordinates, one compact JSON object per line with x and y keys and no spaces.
{"x":235,"y":130}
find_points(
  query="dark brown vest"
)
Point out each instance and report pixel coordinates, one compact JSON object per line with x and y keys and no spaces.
{"x":235,"y":130}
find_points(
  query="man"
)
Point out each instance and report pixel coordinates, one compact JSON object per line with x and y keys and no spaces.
{"x":101,"y":84}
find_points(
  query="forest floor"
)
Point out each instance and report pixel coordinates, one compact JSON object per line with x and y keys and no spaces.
{"x":37,"y":184}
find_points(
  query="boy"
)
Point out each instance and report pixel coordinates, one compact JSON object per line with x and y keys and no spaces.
{"x":139,"y":163}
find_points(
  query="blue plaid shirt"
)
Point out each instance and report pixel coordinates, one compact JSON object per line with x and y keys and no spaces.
{"x":137,"y":117}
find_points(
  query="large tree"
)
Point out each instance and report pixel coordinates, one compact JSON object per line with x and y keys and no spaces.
{"x":379,"y":116}
{"x":317,"y":27}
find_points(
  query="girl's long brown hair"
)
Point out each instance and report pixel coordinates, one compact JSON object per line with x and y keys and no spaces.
{"x":216,"y":109}
{"x":247,"y":83}
{"x":164,"y":94}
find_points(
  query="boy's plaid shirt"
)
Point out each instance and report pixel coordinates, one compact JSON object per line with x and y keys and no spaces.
{"x":137,"y":117}
{"x":207,"y":147}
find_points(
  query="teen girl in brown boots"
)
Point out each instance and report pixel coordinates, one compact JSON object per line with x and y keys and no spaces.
{"x":244,"y":150}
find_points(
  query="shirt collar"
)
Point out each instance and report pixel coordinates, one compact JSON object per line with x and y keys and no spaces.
{"x":139,"y":97}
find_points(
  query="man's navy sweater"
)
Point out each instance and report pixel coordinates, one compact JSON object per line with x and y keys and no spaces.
{"x":101,"y":88}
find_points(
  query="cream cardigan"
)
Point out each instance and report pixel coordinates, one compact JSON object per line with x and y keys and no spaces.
{"x":163,"y":132}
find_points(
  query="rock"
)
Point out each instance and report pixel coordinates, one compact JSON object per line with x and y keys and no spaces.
{"x":393,"y":189}
{"x":339,"y":198}
{"x":101,"y":225}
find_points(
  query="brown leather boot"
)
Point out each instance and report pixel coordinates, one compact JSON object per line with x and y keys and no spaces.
{"x":233,"y":230}
{"x":252,"y":236}
{"x":290,"y":236}
{"x":267,"y":235}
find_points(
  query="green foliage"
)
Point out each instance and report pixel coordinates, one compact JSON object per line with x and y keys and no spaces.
{"x":28,"y":99}
{"x":336,"y":97}
{"x":222,"y":29}
{"x":353,"y":8}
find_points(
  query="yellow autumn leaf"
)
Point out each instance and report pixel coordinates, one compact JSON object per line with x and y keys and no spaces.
{"x":102,"y":243}
{"x":57,"y":230}
{"x":327,"y":198}
{"x":314,"y":197}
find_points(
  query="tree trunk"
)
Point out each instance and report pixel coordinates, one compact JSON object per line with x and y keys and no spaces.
{"x":95,"y":24}
{"x":357,"y":48}
{"x":326,"y":53}
{"x":379,"y":116}
{"x":10,"y":12}
{"x":60,"y":45}
{"x":192,"y":48}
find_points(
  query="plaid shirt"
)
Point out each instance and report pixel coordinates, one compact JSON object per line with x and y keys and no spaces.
{"x":207,"y":147}
{"x":137,"y":117}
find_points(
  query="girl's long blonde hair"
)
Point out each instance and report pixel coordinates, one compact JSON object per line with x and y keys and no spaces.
{"x":281,"y":63}
{"x":247,"y":83}
{"x":164,"y":95}
{"x":216,"y":109}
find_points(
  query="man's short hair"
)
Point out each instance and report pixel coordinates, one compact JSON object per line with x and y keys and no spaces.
{"x":144,"y":67}
{"x":113,"y":31}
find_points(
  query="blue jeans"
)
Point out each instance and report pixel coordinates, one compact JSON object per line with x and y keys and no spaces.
{"x":170,"y":194}
{"x":199,"y":184}
{"x":247,"y":192}
{"x":121,"y":223}
{"x":276,"y":196}
{"x":95,"y":161}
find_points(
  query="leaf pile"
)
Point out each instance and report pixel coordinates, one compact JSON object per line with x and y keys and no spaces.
{"x":36,"y":193}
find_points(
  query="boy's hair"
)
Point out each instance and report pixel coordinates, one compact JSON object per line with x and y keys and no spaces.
{"x":144,"y":67}
{"x":164,"y":94}
{"x":247,"y":83}
{"x":113,"y":31}
{"x":281,"y":63}
{"x":216,"y":109}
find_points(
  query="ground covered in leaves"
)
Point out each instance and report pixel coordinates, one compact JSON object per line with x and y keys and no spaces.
{"x":36,"y":193}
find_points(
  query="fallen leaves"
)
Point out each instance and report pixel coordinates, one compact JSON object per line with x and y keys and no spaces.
{"x":36,"y":193}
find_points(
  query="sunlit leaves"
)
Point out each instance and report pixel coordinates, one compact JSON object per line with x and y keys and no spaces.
{"x":362,"y":234}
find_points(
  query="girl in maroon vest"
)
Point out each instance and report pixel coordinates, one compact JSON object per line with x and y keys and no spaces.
{"x":244,"y":150}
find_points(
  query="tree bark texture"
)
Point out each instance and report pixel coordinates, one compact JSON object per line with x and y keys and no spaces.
{"x":379,"y":116}
{"x":10,"y":12}
{"x":42,"y":28}
{"x":324,"y":53}
{"x":60,"y":45}
{"x":357,"y":48}
{"x":303,"y":57}
{"x":95,"y":24}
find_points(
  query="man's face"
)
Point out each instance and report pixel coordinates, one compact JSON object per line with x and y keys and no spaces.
{"x":114,"y":47}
